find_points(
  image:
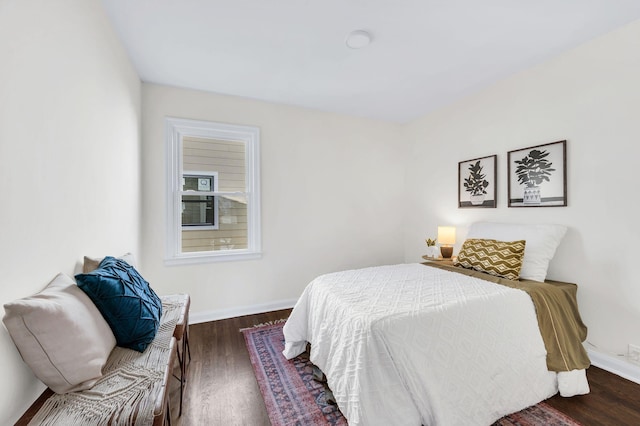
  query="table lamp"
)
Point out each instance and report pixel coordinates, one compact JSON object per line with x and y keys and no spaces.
{"x":447,"y":238}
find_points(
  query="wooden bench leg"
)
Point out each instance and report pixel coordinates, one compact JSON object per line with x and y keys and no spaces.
{"x":168,"y":413}
{"x":183,"y":350}
{"x":186,"y":337}
{"x":184,"y":357}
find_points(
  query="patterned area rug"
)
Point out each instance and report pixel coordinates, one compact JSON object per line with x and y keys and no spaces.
{"x":293,"y":397}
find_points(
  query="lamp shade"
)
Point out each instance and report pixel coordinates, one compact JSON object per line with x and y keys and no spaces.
{"x":447,"y":235}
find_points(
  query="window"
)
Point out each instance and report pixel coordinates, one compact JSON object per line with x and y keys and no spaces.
{"x":213,"y":208}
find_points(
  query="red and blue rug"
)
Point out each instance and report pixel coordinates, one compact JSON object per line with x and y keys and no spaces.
{"x":293,"y":397}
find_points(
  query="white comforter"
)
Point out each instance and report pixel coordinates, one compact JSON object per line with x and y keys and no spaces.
{"x":411,"y":345}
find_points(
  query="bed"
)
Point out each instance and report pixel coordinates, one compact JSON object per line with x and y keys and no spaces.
{"x":434,"y":344}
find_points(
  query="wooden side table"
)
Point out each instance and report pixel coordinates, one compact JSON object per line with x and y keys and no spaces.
{"x":439,"y":259}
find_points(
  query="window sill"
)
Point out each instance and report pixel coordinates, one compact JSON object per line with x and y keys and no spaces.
{"x":200,"y":228}
{"x":210,"y":257}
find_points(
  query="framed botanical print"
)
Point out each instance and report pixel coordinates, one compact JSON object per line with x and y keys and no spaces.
{"x":477,"y":182}
{"x":537,"y":176}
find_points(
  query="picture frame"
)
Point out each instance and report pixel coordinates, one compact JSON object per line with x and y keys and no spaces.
{"x":537,"y":175}
{"x":477,"y":182}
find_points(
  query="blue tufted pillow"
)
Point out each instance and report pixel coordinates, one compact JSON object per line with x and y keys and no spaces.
{"x":125,"y":300}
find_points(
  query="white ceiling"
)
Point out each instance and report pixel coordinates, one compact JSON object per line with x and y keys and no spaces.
{"x":424,"y":54}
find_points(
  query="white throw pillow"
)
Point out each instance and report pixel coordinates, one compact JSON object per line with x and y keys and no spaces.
{"x":541,"y":243}
{"x":61,"y":335}
{"x":91,"y":263}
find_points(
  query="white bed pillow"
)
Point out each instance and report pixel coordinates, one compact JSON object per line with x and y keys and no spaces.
{"x":541,"y":243}
{"x":91,"y":263}
{"x":61,"y":335}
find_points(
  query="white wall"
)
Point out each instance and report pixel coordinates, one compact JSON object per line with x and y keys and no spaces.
{"x":69,"y":156}
{"x":331,"y":200}
{"x":590,"y":97}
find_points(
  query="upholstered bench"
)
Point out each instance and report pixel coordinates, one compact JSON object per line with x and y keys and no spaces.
{"x":134,"y":388}
{"x":105,"y":345}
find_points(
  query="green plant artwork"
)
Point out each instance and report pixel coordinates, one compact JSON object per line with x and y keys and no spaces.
{"x":534,"y":169}
{"x":476,"y":183}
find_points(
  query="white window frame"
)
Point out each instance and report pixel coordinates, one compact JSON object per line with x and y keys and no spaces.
{"x":176,"y":130}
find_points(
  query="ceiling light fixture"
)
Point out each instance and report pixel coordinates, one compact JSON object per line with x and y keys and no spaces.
{"x":358,"y":39}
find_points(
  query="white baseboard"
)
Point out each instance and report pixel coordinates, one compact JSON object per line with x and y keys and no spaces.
{"x":205,"y":316}
{"x":615,"y":365}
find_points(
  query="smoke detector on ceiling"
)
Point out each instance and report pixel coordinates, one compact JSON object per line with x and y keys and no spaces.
{"x":358,"y":39}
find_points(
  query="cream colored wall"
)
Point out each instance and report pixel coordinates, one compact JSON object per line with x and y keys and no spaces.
{"x":590,"y":97}
{"x":69,"y":156}
{"x":331,"y":191}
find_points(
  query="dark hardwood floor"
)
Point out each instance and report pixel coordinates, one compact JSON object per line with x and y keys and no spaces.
{"x":612,"y":401}
{"x":222,"y":389}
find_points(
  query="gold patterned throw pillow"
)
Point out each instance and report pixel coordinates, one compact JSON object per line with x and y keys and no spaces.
{"x":499,"y":258}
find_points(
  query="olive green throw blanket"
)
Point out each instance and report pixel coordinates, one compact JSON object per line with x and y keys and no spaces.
{"x":559,"y":320}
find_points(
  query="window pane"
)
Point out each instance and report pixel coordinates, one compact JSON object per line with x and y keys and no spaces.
{"x":226,"y":160}
{"x":216,"y":155}
{"x":232,"y":228}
